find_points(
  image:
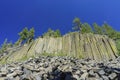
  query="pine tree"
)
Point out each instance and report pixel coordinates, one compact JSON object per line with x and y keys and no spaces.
{"x":5,"y":46}
{"x":31,"y":35}
{"x":77,"y":24}
{"x":108,"y":30}
{"x":24,"y":34}
{"x":97,"y":29}
{"x":86,"y":28}
{"x":57,"y":33}
{"x":52,"y":33}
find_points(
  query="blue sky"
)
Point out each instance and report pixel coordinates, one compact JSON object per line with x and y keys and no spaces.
{"x":56,"y":14}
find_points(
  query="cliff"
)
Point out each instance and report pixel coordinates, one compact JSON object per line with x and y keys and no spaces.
{"x":93,"y":46}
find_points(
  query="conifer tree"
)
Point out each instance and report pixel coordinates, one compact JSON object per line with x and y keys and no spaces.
{"x":31,"y":35}
{"x":77,"y":24}
{"x":86,"y":28}
{"x":24,"y":34}
{"x":97,"y":29}
{"x":108,"y":30}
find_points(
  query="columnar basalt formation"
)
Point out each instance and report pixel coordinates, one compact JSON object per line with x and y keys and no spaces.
{"x":93,"y":46}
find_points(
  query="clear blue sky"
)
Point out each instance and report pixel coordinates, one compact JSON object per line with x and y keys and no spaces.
{"x":57,"y":14}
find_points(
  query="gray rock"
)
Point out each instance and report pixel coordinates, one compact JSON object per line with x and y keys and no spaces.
{"x":84,"y":76}
{"x":91,"y":73}
{"x":17,"y":78}
{"x":30,"y":67}
{"x":3,"y":74}
{"x":60,"y":69}
{"x":3,"y":69}
{"x":38,"y":77}
{"x":18,"y":72}
{"x":105,"y":77}
{"x":101,"y":72}
{"x":26,"y":71}
{"x":2,"y":78}
{"x":97,"y":76}
{"x":76,"y":77}
{"x":99,"y":79}
{"x":112,"y":76}
{"x":12,"y":74}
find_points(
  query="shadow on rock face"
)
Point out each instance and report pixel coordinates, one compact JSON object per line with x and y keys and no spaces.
{"x":64,"y":76}
{"x":59,"y":75}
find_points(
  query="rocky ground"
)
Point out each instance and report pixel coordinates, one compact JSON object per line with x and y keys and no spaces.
{"x":61,"y":68}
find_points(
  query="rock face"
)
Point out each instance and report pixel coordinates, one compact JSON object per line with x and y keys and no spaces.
{"x":61,"y":68}
{"x":96,"y":47}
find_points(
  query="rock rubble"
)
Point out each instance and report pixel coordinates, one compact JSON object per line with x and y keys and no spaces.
{"x":61,"y":68}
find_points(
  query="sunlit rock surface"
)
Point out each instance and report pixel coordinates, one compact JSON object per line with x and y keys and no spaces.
{"x":92,"y":46}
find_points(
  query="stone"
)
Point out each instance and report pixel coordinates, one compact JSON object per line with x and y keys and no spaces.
{"x":84,"y":76}
{"x":92,"y":78}
{"x":27,"y":77}
{"x":117,"y":70}
{"x":17,"y":78}
{"x":78,"y":72}
{"x":59,"y":70}
{"x":105,"y":77}
{"x":38,"y":77}
{"x":91,"y":73}
{"x":19,"y":68}
{"x":99,"y":79}
{"x":97,"y":75}
{"x":26,"y":71}
{"x":29,"y":67}
{"x":12,"y":74}
{"x":112,"y":76}
{"x":3,"y":74}
{"x":45,"y":76}
{"x":54,"y":68}
{"x":76,"y":77}
{"x":18,"y":72}
{"x":2,"y":78}
{"x":3,"y":69}
{"x":56,"y":72}
{"x":101,"y":72}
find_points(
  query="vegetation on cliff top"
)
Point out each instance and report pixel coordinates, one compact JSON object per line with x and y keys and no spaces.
{"x":27,"y":36}
{"x":52,"y":33}
{"x":105,"y":29}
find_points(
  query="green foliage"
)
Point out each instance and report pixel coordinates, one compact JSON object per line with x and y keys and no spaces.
{"x":17,"y":43}
{"x":48,"y":33}
{"x":52,"y":33}
{"x":108,"y":30}
{"x":26,"y":35}
{"x":86,"y":28}
{"x":31,"y":35}
{"x":5,"y":46}
{"x":76,"y":24}
{"x":83,"y":28}
{"x":97,"y":29}
{"x":118,"y":35}
{"x":105,"y":29}
{"x":57,"y":33}
{"x":10,"y":44}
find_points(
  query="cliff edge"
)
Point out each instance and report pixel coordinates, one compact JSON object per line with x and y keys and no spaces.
{"x":93,"y":46}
